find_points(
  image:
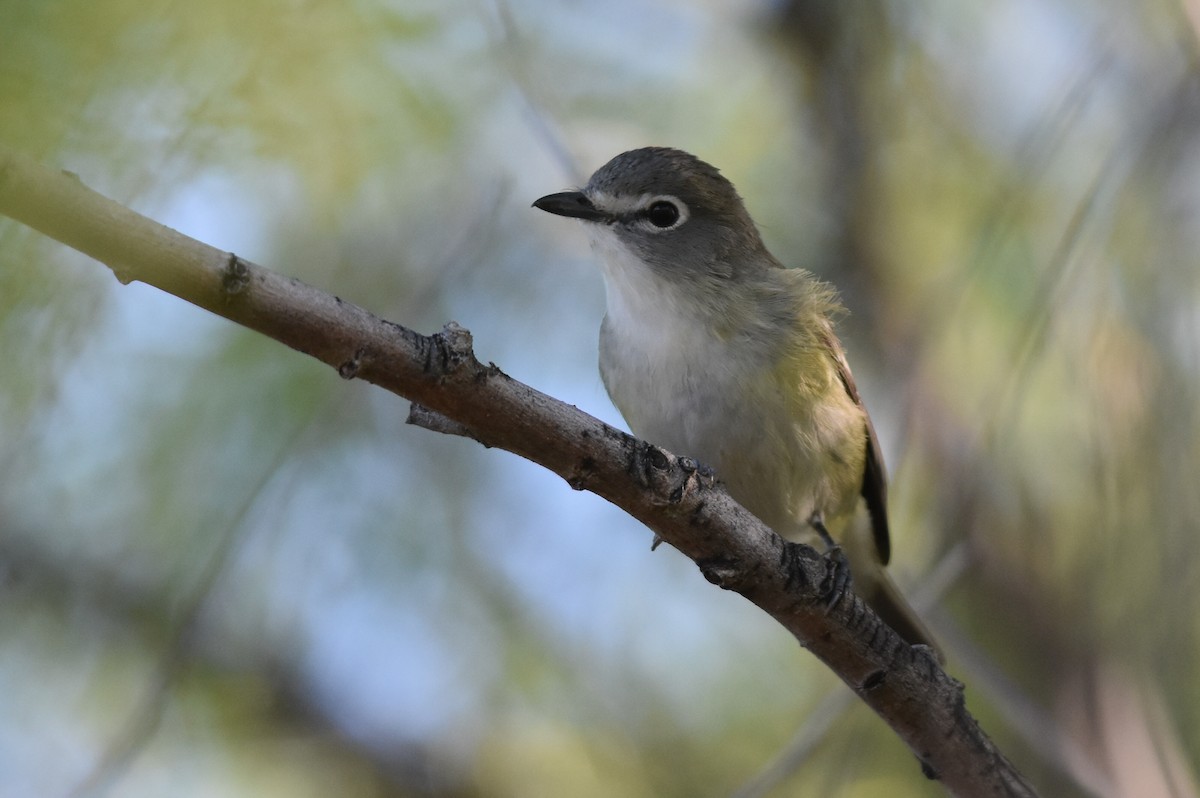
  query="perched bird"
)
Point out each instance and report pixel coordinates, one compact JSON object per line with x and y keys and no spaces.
{"x":712,"y":349}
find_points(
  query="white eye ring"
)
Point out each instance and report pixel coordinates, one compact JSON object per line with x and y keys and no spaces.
{"x":663,"y":213}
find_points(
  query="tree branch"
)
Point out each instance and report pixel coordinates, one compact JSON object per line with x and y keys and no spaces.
{"x":453,"y":392}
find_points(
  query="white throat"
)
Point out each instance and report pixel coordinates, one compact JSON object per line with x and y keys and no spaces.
{"x":642,"y":305}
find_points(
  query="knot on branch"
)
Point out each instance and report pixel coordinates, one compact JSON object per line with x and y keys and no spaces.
{"x":874,"y":681}
{"x":449,"y":350}
{"x":721,"y":571}
{"x":348,"y":369}
{"x":648,"y":464}
{"x":457,"y":339}
{"x":236,"y":276}
{"x":697,"y":475}
{"x":676,"y":478}
{"x":580,"y":477}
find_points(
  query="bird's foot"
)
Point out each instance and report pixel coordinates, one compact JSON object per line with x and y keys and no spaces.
{"x":837,"y":579}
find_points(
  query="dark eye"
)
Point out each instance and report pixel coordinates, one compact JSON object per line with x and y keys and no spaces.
{"x":662,"y":213}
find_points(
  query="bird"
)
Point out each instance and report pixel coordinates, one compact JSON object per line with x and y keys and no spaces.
{"x":712,"y":349}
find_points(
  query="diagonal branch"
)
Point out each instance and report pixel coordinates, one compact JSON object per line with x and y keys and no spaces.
{"x":454,"y":392}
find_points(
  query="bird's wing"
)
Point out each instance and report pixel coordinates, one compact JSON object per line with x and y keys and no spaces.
{"x":874,"y":485}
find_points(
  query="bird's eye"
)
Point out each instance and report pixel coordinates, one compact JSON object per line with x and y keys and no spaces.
{"x":662,"y":214}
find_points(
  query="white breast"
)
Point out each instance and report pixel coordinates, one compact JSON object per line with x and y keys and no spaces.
{"x":724,"y":400}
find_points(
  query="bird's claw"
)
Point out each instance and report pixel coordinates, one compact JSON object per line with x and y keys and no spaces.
{"x":838,"y":578}
{"x":837,"y":567}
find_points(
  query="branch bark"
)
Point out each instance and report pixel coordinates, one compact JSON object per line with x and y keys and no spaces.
{"x":453,"y":392}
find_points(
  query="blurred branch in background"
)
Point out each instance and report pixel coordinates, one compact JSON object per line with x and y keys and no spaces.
{"x":146,"y":714}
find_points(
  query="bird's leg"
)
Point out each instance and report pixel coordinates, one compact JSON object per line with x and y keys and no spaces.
{"x":817,"y":522}
{"x":838,"y":578}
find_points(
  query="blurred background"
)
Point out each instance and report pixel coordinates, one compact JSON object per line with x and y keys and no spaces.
{"x":224,"y":571}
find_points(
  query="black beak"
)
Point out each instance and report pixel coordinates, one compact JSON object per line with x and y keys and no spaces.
{"x":573,"y":204}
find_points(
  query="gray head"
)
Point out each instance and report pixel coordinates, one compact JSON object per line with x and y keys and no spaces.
{"x":673,"y":211}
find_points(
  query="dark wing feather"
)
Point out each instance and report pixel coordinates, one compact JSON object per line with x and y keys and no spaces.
{"x":874,"y":486}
